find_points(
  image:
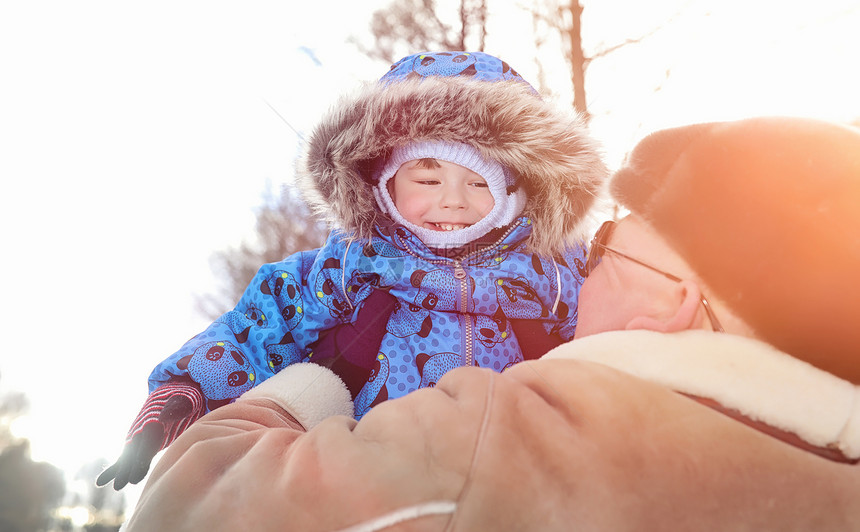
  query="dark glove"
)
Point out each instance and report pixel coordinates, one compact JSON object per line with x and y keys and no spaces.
{"x":168,"y":411}
{"x":136,"y":457}
{"x":350,"y":349}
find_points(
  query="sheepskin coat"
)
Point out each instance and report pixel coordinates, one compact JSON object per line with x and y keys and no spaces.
{"x":561,"y":443}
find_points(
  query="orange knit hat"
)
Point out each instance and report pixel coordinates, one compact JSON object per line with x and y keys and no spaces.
{"x":767,"y":212}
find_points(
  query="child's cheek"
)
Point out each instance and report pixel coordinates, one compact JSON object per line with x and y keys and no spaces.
{"x":487,"y":206}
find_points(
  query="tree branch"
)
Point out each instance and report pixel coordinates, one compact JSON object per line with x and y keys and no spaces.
{"x":606,"y":51}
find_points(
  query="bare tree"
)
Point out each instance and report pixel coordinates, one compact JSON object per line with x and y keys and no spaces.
{"x":565,"y":17}
{"x":576,"y":58}
{"x":285,"y":225}
{"x":407,"y":26}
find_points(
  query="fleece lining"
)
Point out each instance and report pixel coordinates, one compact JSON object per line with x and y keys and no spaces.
{"x":309,"y":392}
{"x":742,"y":374}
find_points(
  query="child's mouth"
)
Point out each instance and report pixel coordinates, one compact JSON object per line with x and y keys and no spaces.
{"x":445,"y":226}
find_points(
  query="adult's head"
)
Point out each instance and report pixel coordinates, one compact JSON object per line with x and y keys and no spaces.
{"x":759,"y":216}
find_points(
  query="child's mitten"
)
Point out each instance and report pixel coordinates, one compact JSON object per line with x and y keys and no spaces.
{"x":167,"y":412}
{"x":350,"y":349}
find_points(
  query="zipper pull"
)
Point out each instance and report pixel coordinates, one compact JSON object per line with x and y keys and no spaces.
{"x":459,"y":272}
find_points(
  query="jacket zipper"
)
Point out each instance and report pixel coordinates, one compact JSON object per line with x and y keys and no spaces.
{"x":460,"y":274}
{"x":468,"y":333}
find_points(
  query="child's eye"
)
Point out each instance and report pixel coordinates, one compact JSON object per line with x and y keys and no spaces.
{"x":480,"y":184}
{"x":428,"y":182}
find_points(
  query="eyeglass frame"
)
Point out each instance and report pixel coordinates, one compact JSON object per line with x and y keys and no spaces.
{"x":594,"y":258}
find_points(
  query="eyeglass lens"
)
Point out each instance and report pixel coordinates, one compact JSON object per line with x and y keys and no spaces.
{"x":595,"y":252}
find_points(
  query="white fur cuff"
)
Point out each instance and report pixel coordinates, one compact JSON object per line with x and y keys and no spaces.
{"x":309,"y":392}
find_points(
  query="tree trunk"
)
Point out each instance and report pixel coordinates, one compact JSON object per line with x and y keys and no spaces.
{"x":464,"y":25}
{"x":482,"y":24}
{"x":577,"y":60}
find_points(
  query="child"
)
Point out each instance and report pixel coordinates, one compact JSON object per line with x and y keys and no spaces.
{"x":458,"y":194}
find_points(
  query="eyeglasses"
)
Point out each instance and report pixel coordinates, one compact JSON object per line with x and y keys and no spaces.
{"x":598,"y":248}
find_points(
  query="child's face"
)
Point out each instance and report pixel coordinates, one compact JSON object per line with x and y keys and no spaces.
{"x":439,"y":195}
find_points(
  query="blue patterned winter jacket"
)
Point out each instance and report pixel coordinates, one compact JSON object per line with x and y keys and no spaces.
{"x":433,"y":312}
{"x":448,"y":312}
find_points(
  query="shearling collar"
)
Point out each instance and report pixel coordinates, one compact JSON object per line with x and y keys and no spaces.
{"x":741,"y":375}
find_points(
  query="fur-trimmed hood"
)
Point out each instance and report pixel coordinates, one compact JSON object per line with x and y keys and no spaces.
{"x":555,"y":159}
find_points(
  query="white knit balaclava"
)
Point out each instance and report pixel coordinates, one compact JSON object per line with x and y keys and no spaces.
{"x":509,"y":199}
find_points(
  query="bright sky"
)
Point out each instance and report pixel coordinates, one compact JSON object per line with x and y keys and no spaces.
{"x":136,"y":139}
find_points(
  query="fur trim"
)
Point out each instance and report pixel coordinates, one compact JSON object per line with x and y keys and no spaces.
{"x":557,"y":163}
{"x":309,"y":392}
{"x":745,"y":375}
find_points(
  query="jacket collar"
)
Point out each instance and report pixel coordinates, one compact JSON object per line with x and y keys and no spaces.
{"x":494,"y":242}
{"x":753,"y":379}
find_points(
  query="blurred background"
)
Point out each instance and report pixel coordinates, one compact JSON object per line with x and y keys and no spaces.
{"x":147,"y":155}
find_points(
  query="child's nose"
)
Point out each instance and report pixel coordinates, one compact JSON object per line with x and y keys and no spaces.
{"x":453,"y":197}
